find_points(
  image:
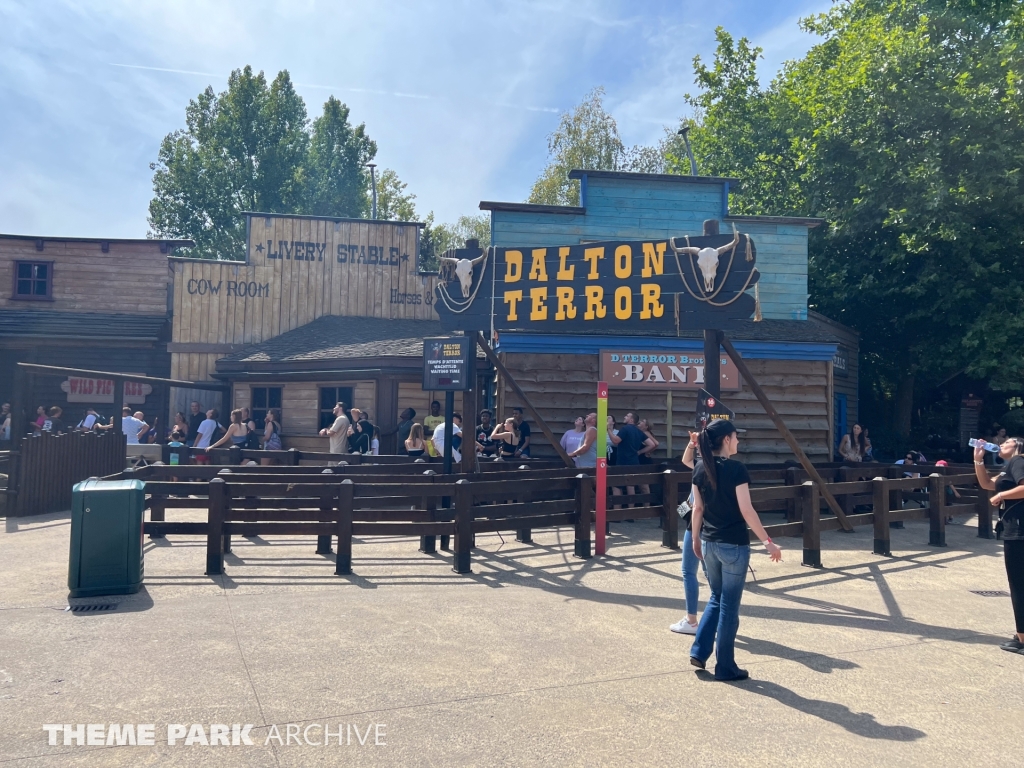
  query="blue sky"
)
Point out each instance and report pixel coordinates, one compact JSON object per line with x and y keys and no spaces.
{"x":459,"y":96}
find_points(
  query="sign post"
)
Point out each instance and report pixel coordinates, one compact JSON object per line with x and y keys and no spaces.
{"x":601,"y":491}
{"x":447,"y":367}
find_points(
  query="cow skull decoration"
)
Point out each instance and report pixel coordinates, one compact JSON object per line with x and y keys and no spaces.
{"x":708,"y":259}
{"x":463,"y":271}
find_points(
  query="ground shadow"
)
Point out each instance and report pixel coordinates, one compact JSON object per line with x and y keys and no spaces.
{"x":133,"y":603}
{"x":819,"y":662}
{"x":861,"y":724}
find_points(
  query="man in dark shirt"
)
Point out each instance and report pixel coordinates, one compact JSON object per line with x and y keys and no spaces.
{"x":628,"y":443}
{"x":195,"y":418}
{"x":523,"y":448}
{"x":483,"y":432}
{"x":404,"y":428}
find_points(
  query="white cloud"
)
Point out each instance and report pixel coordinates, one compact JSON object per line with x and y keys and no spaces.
{"x":459,"y":96}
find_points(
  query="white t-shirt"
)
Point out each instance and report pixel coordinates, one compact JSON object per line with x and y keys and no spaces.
{"x":439,"y":440}
{"x":206,"y":430}
{"x":131,"y":426}
{"x":89,"y":421}
{"x":339,"y":440}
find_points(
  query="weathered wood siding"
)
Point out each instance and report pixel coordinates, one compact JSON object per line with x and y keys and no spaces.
{"x":563,"y":386}
{"x":131,"y":278}
{"x":300,"y":401}
{"x":412,"y":395}
{"x":635,"y":209}
{"x":148,"y":360}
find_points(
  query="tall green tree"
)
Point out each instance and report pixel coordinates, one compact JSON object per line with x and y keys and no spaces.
{"x":393,"y":202}
{"x":335,"y":173}
{"x":902,"y":128}
{"x":587,"y":136}
{"x":251,"y":148}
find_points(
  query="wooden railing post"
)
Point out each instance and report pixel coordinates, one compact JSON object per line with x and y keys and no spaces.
{"x":792,"y":505}
{"x":428,"y":544}
{"x":215,"y":527}
{"x":323,"y":543}
{"x":584,"y":515}
{"x":936,"y":510}
{"x":463,"y":526}
{"x":983,"y":507}
{"x":880,"y":500}
{"x":292,"y":459}
{"x":346,"y":500}
{"x":810,"y":511}
{"x":669,"y":509}
{"x":525,"y":535}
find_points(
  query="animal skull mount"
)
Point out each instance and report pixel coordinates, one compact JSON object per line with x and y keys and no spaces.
{"x":708,"y":258}
{"x":463,"y":271}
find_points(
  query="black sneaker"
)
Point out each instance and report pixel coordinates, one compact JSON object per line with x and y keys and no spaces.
{"x":1013,"y":645}
{"x":741,"y":674}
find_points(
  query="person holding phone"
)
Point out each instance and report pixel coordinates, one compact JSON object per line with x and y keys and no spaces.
{"x":721,"y":513}
{"x":1009,"y":497}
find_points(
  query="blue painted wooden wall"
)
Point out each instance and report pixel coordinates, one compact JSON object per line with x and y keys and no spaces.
{"x":641,"y":207}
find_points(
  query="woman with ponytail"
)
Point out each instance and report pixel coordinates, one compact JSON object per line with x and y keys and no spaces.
{"x":1009,"y":497}
{"x":721,"y":513}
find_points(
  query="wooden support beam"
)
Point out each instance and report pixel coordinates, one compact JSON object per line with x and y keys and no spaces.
{"x":500,"y":366}
{"x":794,"y":446}
{"x":54,"y":370}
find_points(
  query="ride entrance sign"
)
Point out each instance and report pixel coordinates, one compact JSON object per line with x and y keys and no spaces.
{"x":685,"y":282}
{"x":446,"y":364}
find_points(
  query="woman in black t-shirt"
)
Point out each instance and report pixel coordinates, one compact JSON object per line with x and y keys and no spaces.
{"x":1009,"y":497}
{"x":721,"y":513}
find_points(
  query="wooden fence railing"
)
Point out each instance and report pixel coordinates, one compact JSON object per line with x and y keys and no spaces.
{"x":343,"y":502}
{"x":46,"y":467}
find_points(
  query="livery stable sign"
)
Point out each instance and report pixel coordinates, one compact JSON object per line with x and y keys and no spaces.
{"x":660,"y":370}
{"x":647,"y":285}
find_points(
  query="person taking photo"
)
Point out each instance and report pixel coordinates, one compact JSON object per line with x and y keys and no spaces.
{"x":1009,"y":497}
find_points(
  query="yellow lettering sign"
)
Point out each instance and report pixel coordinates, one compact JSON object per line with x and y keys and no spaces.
{"x":513,"y":267}
{"x":539,"y":311}
{"x":512,"y":298}
{"x":623,"y":302}
{"x":538,"y":271}
{"x":654,"y":260}
{"x":623,"y":261}
{"x":563,"y":273}
{"x":592,"y":255}
{"x":595,"y":303}
{"x":566,"y":308}
{"x":652,"y":307}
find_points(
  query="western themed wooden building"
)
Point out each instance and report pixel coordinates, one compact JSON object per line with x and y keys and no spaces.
{"x":329,"y":309}
{"x":324,"y":309}
{"x":85,"y":303}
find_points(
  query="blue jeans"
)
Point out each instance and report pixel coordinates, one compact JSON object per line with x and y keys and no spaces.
{"x":691,"y":587}
{"x":726,"y":566}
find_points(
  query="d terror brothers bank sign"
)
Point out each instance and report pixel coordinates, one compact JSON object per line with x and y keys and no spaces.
{"x":662,"y":285}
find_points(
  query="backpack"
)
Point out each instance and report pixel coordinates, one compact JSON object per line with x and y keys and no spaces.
{"x":252,"y":441}
{"x":273,"y":442}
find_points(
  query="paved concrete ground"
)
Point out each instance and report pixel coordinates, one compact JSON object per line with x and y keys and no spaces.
{"x":535,"y":659}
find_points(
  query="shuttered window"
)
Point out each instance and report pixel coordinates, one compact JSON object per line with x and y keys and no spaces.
{"x":33,"y":280}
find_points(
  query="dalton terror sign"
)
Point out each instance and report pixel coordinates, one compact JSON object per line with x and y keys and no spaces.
{"x":672,"y":284}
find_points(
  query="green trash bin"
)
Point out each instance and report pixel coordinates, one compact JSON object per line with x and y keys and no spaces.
{"x":106,"y":537}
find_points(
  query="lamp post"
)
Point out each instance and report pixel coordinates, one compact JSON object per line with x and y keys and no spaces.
{"x":373,"y":187}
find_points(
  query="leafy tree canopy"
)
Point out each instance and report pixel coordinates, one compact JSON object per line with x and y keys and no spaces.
{"x":588,"y":137}
{"x":902,"y":129}
{"x":252,"y":148}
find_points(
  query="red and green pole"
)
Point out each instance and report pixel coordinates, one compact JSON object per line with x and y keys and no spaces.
{"x":601,"y":489}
